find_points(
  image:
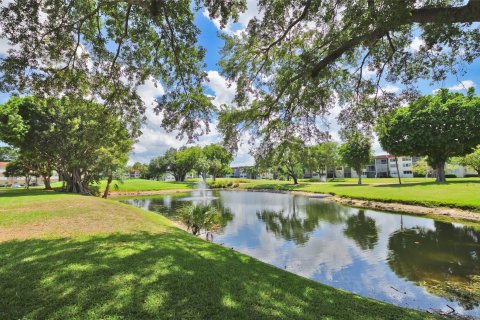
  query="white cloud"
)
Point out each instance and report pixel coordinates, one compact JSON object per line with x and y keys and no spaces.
{"x":155,"y":141}
{"x":368,"y":73}
{"x":391,"y":88}
{"x":416,"y":44}
{"x":224,"y":93}
{"x":463,"y":85}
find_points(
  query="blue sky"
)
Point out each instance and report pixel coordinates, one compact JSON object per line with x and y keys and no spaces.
{"x":155,"y":140}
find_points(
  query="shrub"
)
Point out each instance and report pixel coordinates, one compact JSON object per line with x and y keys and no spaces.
{"x":200,"y":217}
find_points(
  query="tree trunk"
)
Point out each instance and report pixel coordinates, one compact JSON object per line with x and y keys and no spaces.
{"x":359,"y":174}
{"x":107,"y":188}
{"x":441,"y":172}
{"x":204,"y":177}
{"x":398,"y":171}
{"x":295,"y":180}
{"x":46,"y":182}
{"x":75,"y":184}
{"x":27,"y":182}
{"x":214,"y":177}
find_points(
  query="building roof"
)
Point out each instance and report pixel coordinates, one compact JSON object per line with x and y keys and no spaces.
{"x":3,"y":164}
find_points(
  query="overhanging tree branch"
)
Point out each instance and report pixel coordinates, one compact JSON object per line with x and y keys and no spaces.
{"x":465,"y":14}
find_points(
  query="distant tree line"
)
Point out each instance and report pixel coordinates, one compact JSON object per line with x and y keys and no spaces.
{"x":211,"y":160}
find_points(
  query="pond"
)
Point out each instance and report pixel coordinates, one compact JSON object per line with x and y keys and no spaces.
{"x":405,"y":260}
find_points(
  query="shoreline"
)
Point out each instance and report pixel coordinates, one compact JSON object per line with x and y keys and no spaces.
{"x":394,"y":207}
{"x":441,"y":212}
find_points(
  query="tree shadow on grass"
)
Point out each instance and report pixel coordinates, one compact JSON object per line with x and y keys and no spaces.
{"x":170,"y":275}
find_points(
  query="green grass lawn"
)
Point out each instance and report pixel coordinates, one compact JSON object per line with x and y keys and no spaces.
{"x":145,"y":185}
{"x":459,"y":192}
{"x":78,"y":257}
{"x":132,"y":185}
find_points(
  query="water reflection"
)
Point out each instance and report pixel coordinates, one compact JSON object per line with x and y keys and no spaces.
{"x":362,"y":229}
{"x":445,"y":260}
{"x":409,"y":261}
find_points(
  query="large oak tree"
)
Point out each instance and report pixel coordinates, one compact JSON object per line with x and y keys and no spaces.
{"x":300,"y":58}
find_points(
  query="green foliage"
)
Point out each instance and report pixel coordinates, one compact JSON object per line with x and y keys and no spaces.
{"x":472,"y":160}
{"x":218,"y":159}
{"x":437,"y":126}
{"x":322,"y":157}
{"x":177,"y":162}
{"x":8,"y":154}
{"x":226,"y":183}
{"x":200,"y":217}
{"x":422,"y":168}
{"x":288,"y":157}
{"x":79,"y":138}
{"x":21,"y":167}
{"x":108,"y":49}
{"x":300,"y":59}
{"x":356,"y":152}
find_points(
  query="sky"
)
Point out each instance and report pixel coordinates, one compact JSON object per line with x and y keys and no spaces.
{"x":155,"y":141}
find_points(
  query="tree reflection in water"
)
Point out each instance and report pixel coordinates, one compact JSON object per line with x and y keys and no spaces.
{"x":362,"y":230}
{"x":300,"y":219}
{"x":445,"y":261}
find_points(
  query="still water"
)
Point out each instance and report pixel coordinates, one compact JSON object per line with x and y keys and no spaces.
{"x":404,"y":260}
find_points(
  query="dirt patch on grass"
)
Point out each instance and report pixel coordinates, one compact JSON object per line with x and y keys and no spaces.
{"x":79,"y":216}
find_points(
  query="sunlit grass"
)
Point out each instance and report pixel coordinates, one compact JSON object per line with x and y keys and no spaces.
{"x":459,"y":192}
{"x":68,"y":256}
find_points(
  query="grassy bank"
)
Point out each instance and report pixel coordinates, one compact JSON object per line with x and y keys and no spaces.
{"x":77,"y":257}
{"x":133,"y":185}
{"x":460,"y":192}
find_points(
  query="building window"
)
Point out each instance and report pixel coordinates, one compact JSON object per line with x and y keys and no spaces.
{"x":406,"y":159}
{"x":383,"y":161}
{"x":371,"y":168}
{"x":392,"y":160}
{"x":406,"y":165}
{"x":393,"y":165}
{"x":407,"y":172}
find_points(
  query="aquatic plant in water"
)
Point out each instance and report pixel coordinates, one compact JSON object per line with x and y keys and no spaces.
{"x":200,"y":217}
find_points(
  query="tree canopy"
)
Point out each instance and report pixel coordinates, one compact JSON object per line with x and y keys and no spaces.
{"x":8,"y":153}
{"x":299,"y":59}
{"x":472,"y":160}
{"x":438,"y":126}
{"x":288,"y":156}
{"x":356,"y":152}
{"x":322,"y":157}
{"x":177,"y":162}
{"x":107,"y":49}
{"x":218,"y":159}
{"x":79,"y":138}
